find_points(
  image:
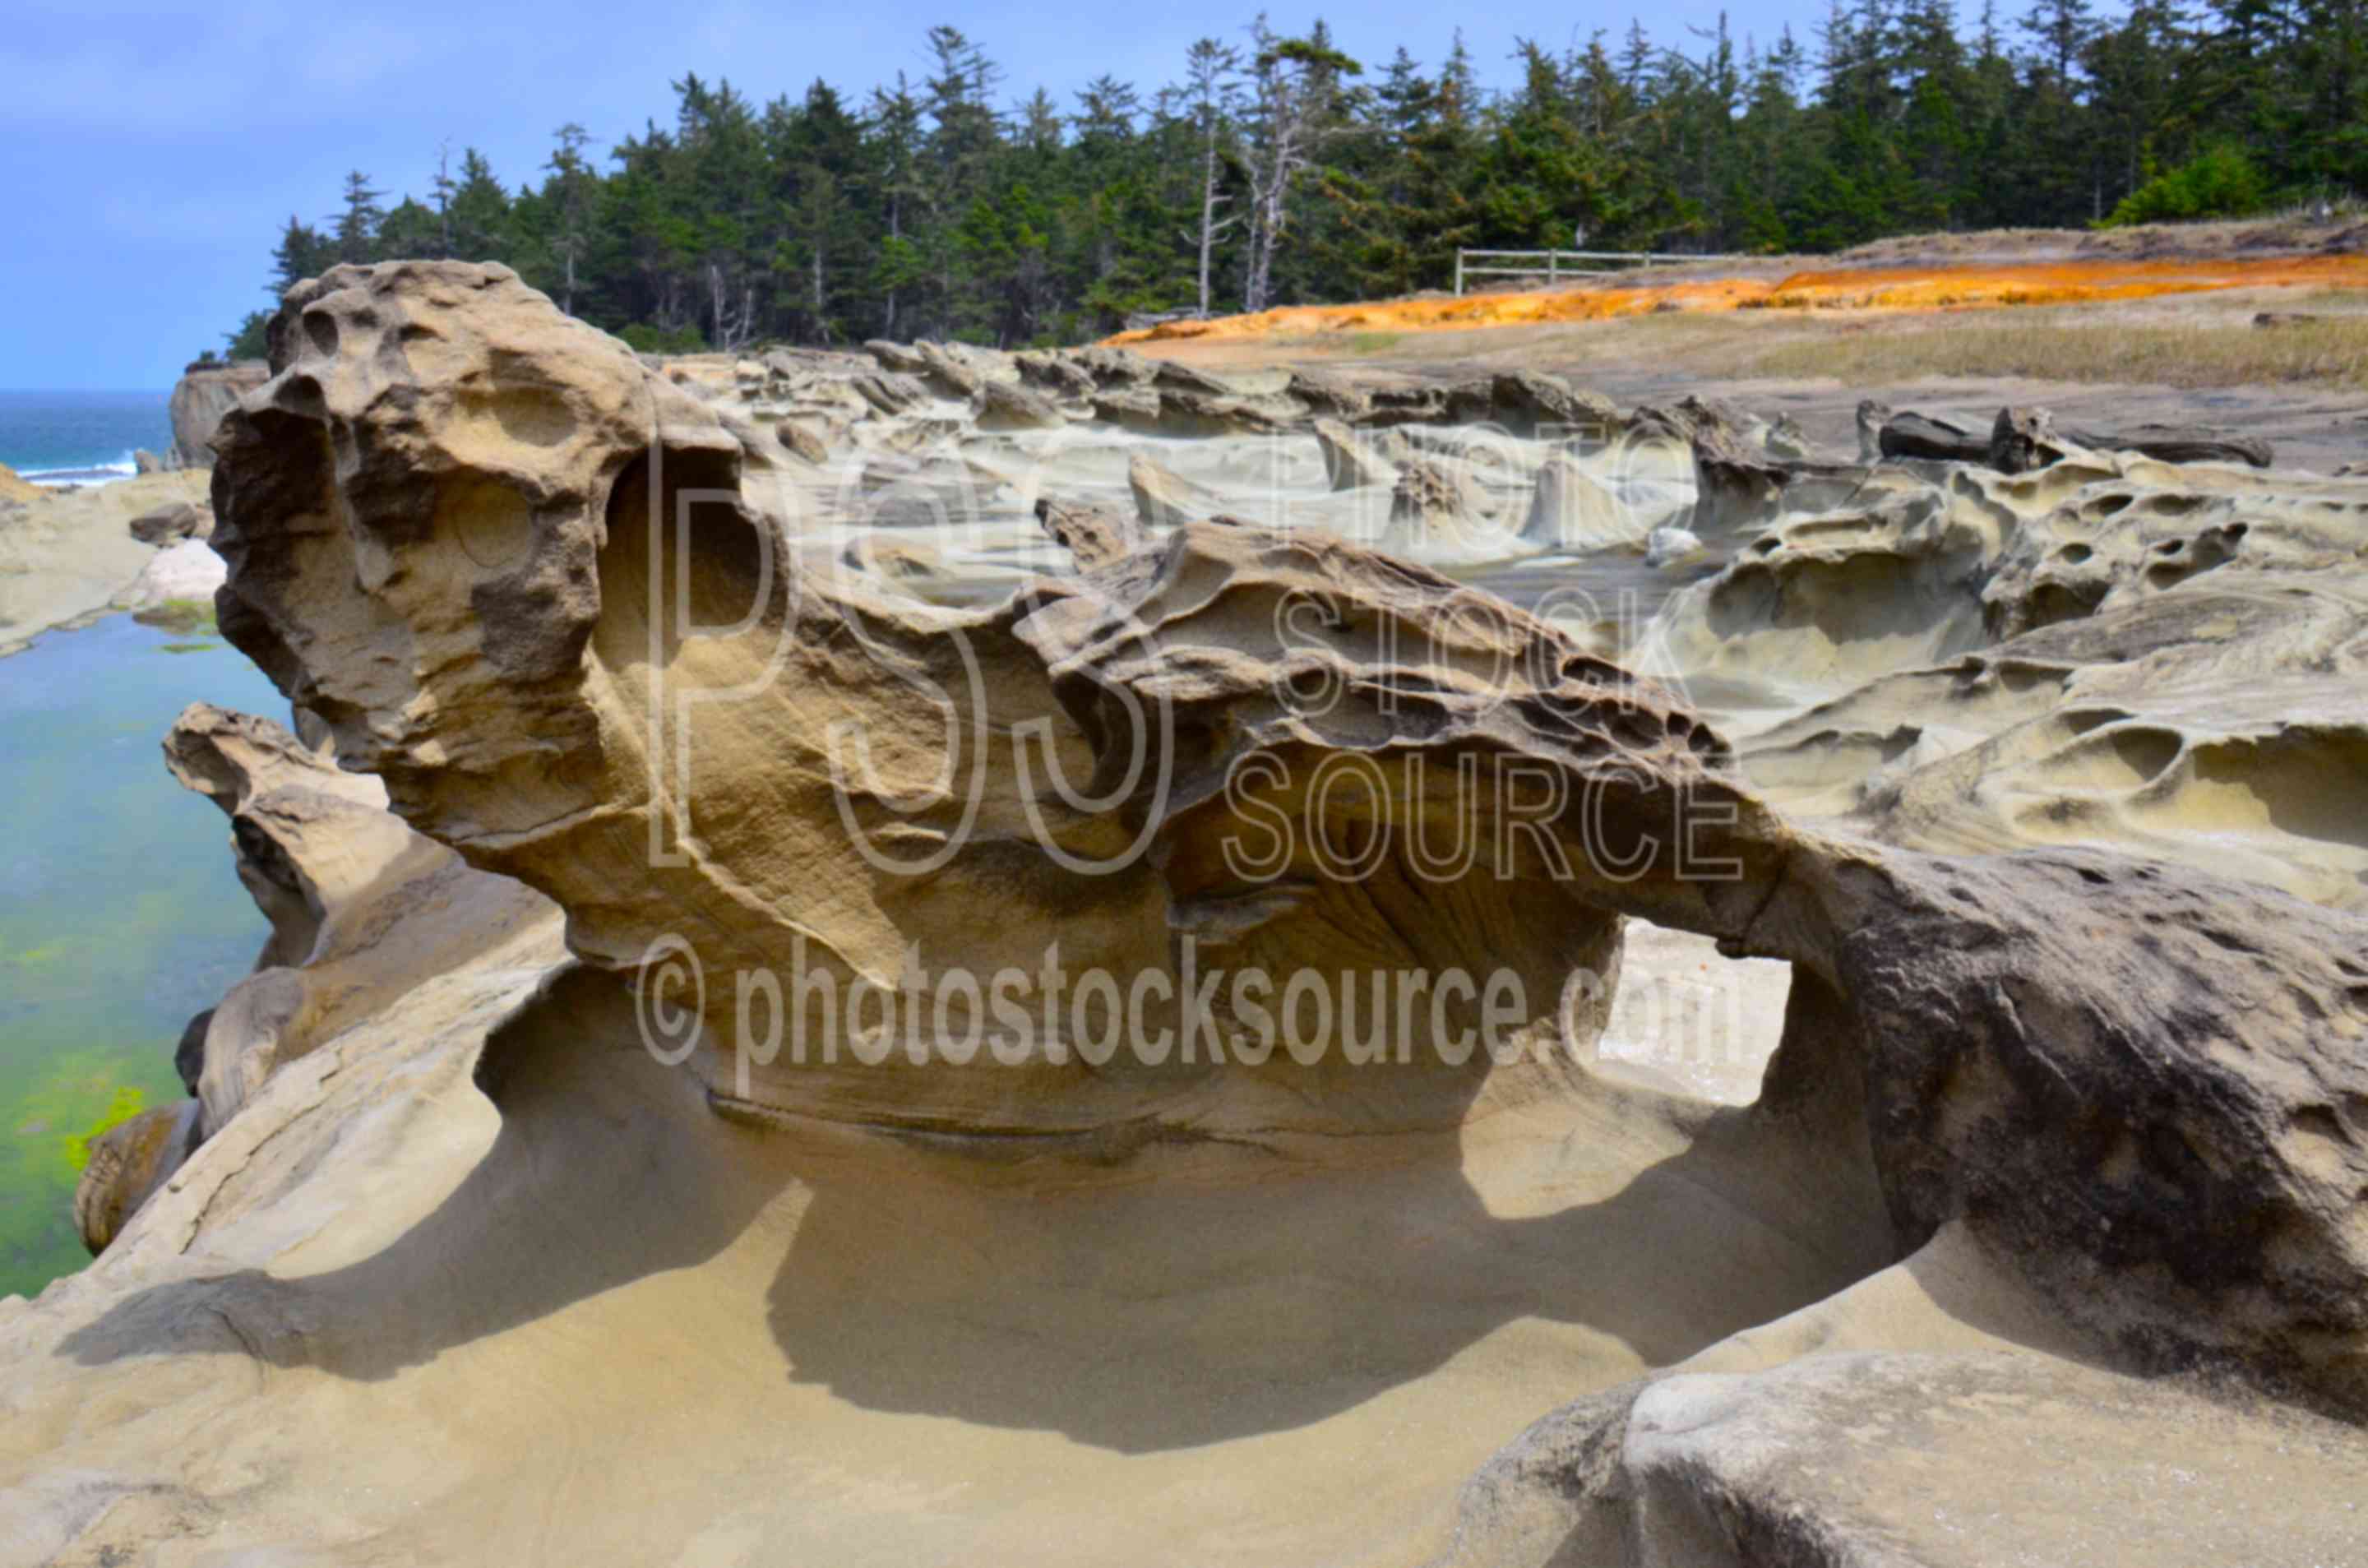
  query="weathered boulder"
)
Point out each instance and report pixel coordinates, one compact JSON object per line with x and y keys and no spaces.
{"x":897,"y":357}
{"x":948,"y":373}
{"x":814,"y":396}
{"x":1873,"y":415}
{"x":893,"y":393}
{"x":127,"y":1162}
{"x":1150,"y":411}
{"x":1421,"y":405}
{"x":1162,"y":499}
{"x":2022,"y":440}
{"x":1696,"y":418}
{"x":1004,"y":405}
{"x":803,"y":440}
{"x":1132,"y":408}
{"x":172,"y":523}
{"x":912,"y":438}
{"x":1062,"y":375}
{"x":1171,"y":376}
{"x":1112,"y":367}
{"x":1785,"y":438}
{"x":1738,"y":486}
{"x":1329,"y":396}
{"x":1671,"y":545}
{"x":1913,"y":435}
{"x":897,"y":562}
{"x":1572,"y":510}
{"x":2177,"y":444}
{"x":1092,"y":536}
{"x":201,"y":398}
{"x":1707,"y":1470}
{"x":1476,"y":450}
{"x":189,"y":1051}
{"x":1532,"y":403}
{"x":325,"y":863}
{"x":1438,"y":514}
{"x":1347,"y":464}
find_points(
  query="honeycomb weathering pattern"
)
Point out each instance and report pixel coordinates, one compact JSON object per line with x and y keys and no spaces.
{"x":2142,"y":1087}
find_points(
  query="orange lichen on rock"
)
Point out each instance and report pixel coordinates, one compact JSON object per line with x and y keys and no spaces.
{"x":1889,"y":287}
{"x":2056,"y":283}
{"x":1448,"y":312}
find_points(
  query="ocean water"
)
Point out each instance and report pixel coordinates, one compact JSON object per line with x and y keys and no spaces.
{"x":121,"y":914}
{"x":81,"y":438}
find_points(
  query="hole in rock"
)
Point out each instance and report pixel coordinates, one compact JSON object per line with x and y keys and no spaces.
{"x":1690,"y":1020}
{"x":2085,"y":720}
{"x":703,"y":541}
{"x":2147,"y":751}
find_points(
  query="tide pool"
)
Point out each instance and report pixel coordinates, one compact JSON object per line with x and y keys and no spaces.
{"x":121,"y":914}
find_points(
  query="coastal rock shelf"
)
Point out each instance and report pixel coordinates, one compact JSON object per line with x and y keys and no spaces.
{"x":498,"y":1235}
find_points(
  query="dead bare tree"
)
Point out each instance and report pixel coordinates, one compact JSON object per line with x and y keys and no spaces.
{"x":1214,"y":89}
{"x":1296,"y":85}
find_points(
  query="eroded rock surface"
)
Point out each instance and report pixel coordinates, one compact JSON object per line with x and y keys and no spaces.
{"x":362,"y":907}
{"x":199,"y":400}
{"x":2041,"y":1125}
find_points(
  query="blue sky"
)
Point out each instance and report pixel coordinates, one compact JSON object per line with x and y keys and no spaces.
{"x":149,"y":153}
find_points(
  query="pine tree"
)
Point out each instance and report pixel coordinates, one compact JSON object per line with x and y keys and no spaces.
{"x":1296,"y":109}
{"x":358,"y":221}
{"x":1277,"y":173}
{"x":302,"y":253}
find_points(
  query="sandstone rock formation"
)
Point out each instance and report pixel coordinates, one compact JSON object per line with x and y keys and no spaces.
{"x":2056,"y":1146}
{"x":1437,"y":514}
{"x":1161,"y":499}
{"x":2022,"y":440}
{"x":1570,"y":509}
{"x":1707,"y":1468}
{"x":1873,"y":415}
{"x":1092,"y":537}
{"x":798,"y":437}
{"x":1004,"y":406}
{"x":128,"y":1163}
{"x":1348,"y":465}
{"x":172,"y":523}
{"x":327,"y":865}
{"x":1530,"y":403}
{"x":201,"y":398}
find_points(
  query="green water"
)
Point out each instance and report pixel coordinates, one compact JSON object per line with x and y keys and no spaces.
{"x":119,"y":912}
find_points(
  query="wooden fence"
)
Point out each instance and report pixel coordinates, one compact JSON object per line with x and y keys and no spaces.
{"x":1555,"y":265}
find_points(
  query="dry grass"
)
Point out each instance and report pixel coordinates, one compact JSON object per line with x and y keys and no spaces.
{"x":2187,"y":341}
{"x":2331,"y":351}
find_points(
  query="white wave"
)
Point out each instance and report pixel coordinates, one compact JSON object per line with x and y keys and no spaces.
{"x":89,"y":474}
